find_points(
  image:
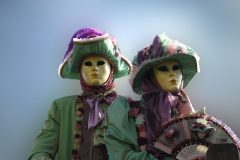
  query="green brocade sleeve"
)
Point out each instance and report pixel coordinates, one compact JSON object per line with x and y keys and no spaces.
{"x":47,"y":141}
{"x":120,"y":150}
{"x":41,"y":156}
{"x":121,"y":136}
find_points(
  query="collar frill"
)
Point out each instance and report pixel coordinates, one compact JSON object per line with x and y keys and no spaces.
{"x":96,"y":115}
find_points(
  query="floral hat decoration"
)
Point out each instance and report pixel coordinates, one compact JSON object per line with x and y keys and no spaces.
{"x":163,"y":49}
{"x":87,"y":42}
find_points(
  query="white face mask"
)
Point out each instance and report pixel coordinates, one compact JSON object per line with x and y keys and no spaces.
{"x":169,"y":76}
{"x":95,"y":70}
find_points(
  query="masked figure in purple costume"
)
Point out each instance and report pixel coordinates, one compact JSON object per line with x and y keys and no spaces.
{"x":160,"y":72}
{"x":94,"y":125}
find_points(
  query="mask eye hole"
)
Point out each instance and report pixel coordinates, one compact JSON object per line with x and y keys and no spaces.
{"x":100,"y":63}
{"x":175,"y":67}
{"x":163,"y":68}
{"x":88,"y":63}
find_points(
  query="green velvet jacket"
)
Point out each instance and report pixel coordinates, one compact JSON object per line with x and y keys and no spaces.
{"x":56,"y":137}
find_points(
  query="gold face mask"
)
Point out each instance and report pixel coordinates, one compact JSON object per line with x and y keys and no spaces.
{"x":95,"y":70}
{"x":169,"y":76}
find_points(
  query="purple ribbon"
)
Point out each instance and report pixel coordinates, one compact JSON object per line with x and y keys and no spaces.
{"x":96,"y":114}
{"x":158,"y":104}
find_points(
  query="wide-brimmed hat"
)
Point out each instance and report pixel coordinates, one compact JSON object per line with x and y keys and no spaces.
{"x":163,"y":49}
{"x":89,"y":42}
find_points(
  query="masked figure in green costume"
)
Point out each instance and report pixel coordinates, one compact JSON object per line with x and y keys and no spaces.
{"x":168,"y":125}
{"x":94,"y":125}
{"x":160,"y":72}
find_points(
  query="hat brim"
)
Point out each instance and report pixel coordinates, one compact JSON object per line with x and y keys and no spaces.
{"x":70,"y":67}
{"x":189,"y":66}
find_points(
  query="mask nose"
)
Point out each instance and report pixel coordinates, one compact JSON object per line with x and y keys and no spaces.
{"x":172,"y":73}
{"x":95,"y":67}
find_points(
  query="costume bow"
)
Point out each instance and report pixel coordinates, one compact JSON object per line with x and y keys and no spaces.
{"x":96,"y":114}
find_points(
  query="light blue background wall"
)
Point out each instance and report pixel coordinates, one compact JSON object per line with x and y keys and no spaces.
{"x":34,"y":36}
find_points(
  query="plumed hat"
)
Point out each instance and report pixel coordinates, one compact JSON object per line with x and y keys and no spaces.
{"x":163,"y":49}
{"x":88,"y":42}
